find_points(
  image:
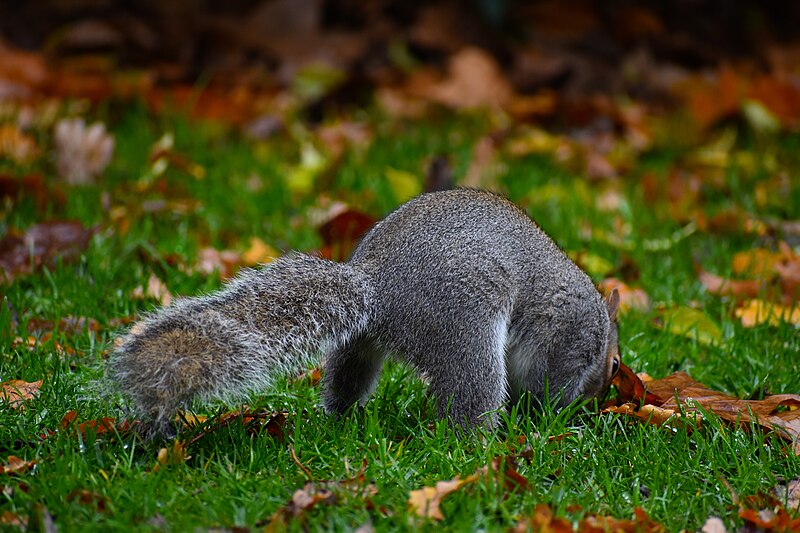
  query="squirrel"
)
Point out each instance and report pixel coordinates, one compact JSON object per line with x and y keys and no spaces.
{"x":460,"y":284}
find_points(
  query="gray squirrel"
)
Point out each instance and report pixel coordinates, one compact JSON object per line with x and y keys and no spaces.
{"x":461,"y":284}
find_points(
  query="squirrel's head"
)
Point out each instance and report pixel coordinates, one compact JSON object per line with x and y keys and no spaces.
{"x":613,"y":360}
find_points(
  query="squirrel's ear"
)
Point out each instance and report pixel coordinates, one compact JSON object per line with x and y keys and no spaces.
{"x":612,"y":302}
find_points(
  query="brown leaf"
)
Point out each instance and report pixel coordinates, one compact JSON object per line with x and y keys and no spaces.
{"x":313,"y":376}
{"x":768,"y":513}
{"x":341,"y":232}
{"x":474,"y":80}
{"x":82,"y":152}
{"x":29,"y":186}
{"x":425,"y":502}
{"x":630,"y":298}
{"x":211,"y":260}
{"x":543,"y":520}
{"x":156,"y":289}
{"x":68,"y":324}
{"x":171,"y":456}
{"x":15,"y":465}
{"x":326,"y":493}
{"x":255,"y":422}
{"x":631,"y":388}
{"x":16,"y":392}
{"x":41,"y":244}
{"x":766,"y":413}
{"x":641,"y":523}
{"x":17,"y":146}
{"x":720,"y":286}
{"x":88,"y":498}
{"x":96,"y":427}
{"x":788,"y":492}
{"x":10,"y":519}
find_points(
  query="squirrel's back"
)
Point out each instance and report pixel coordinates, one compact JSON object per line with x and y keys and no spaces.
{"x":467,"y":268}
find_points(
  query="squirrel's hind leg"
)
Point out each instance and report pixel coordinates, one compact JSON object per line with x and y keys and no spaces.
{"x":469,"y":379}
{"x":351,"y":374}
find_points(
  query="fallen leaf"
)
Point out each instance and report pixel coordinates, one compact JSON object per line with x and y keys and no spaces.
{"x":17,"y":146}
{"x":484,"y":168}
{"x":404,"y":185}
{"x":342,"y":230}
{"x":258,"y":252}
{"x":789,"y":493}
{"x":325,"y":493}
{"x":32,"y":343}
{"x":756,"y":312}
{"x":68,"y":324}
{"x":691,"y":323}
{"x":10,"y":519}
{"x":684,"y":394}
{"x":720,"y":286}
{"x":82,"y":152}
{"x":630,"y":298}
{"x":425,"y":502}
{"x":768,"y":513}
{"x":15,"y":465}
{"x":156,"y":289}
{"x":641,"y":523}
{"x":313,"y":376}
{"x":16,"y":392}
{"x":96,"y":501}
{"x":41,"y":244}
{"x":631,"y":388}
{"x":211,"y":260}
{"x":543,"y":520}
{"x":713,"y":525}
{"x":474,"y":80}
{"x":757,"y":262}
{"x":254,"y":421}
{"x":94,"y":427}
{"x":173,"y":455}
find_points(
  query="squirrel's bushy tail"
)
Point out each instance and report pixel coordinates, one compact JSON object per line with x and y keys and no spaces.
{"x":262,"y":324}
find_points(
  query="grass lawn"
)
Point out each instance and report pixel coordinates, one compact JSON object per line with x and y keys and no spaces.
{"x":154,"y":221}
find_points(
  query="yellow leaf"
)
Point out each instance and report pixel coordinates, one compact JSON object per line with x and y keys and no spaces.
{"x":756,"y":312}
{"x":404,"y":185}
{"x":693,"y":324}
{"x":259,"y":252}
{"x":425,"y":501}
{"x":757,"y":262}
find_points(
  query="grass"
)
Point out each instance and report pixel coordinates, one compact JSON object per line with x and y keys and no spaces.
{"x":603,"y":464}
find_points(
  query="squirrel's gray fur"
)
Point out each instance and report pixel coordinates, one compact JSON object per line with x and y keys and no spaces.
{"x":460,"y":284}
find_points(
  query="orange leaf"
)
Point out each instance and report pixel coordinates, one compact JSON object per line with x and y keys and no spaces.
{"x":766,"y":413}
{"x":16,"y":392}
{"x":425,"y":502}
{"x":629,"y":298}
{"x":15,"y":465}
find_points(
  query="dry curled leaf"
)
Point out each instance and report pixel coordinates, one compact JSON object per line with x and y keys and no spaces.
{"x":173,"y":455}
{"x":425,"y":502}
{"x":82,"y":152}
{"x":543,"y":520}
{"x":631,"y":388}
{"x":630,"y":298}
{"x":16,"y":392}
{"x":41,"y":244}
{"x":155,"y":289}
{"x":779,"y":413}
{"x":15,"y":465}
